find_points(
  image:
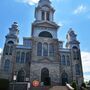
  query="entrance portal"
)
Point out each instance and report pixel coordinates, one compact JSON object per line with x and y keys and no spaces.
{"x":45,"y":77}
{"x":64,"y":79}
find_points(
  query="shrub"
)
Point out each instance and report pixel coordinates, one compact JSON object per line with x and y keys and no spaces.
{"x":83,"y":85}
{"x":74,"y":85}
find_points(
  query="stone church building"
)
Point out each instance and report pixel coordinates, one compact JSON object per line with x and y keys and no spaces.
{"x":42,"y":56}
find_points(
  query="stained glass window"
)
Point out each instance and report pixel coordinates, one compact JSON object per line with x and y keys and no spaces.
{"x":22,"y":57}
{"x":39,"y":49}
{"x":45,"y":49}
{"x":63,"y":60}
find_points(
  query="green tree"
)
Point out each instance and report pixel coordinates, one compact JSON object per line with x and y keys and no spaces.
{"x":74,"y":85}
{"x":83,"y":85}
{"x":89,"y":82}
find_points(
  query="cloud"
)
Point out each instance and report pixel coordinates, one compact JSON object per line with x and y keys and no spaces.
{"x":30,"y":2}
{"x":86,"y":65}
{"x":0,"y":53}
{"x":33,"y":2}
{"x":80,"y":9}
{"x":0,"y":50}
{"x":60,"y":24}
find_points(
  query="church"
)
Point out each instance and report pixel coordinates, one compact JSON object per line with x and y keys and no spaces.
{"x":42,"y":56}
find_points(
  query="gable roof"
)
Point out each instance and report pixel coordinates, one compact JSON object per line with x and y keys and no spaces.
{"x":47,"y":24}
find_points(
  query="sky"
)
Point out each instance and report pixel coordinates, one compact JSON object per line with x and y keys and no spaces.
{"x":73,"y":14}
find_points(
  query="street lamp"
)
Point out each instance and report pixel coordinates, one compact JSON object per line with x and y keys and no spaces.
{"x":14,"y":79}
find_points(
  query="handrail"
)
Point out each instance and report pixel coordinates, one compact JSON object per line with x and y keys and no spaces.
{"x":69,"y":86}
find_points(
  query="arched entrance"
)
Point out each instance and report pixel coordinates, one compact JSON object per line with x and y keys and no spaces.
{"x":45,"y":77}
{"x":21,"y":76}
{"x":64,"y":79}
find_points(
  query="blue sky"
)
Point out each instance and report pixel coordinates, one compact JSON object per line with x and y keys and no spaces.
{"x":69,"y":14}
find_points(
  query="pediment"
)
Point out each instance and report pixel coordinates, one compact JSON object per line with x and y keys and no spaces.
{"x":45,"y":60}
{"x":46,"y":24}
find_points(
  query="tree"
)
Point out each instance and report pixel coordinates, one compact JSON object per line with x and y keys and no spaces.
{"x":89,"y":82}
{"x":83,"y":85}
{"x":74,"y":85}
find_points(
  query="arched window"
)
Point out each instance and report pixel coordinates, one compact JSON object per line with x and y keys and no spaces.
{"x":64,"y":77}
{"x":7,"y":49}
{"x":39,"y":49}
{"x":63,"y":60}
{"x":7,"y":65}
{"x":21,"y":76}
{"x":76,"y":53}
{"x":48,"y":16}
{"x":22,"y":57}
{"x":43,"y":15}
{"x":11,"y":50}
{"x":60,"y":59}
{"x":77,"y":67}
{"x":68,"y":61}
{"x":10,"y":42}
{"x":28,"y":57}
{"x":45,"y":77}
{"x":18,"y":57}
{"x":45,"y":34}
{"x":45,"y":49}
{"x":51,"y":49}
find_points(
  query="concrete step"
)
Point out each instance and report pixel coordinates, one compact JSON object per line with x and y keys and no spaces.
{"x":58,"y":88}
{"x":41,"y":88}
{"x":50,"y":88}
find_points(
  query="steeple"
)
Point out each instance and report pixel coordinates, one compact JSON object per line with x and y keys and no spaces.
{"x":71,"y":36}
{"x":71,"y":39}
{"x":12,"y":36}
{"x":44,"y":2}
{"x":44,"y":20}
{"x":44,"y":11}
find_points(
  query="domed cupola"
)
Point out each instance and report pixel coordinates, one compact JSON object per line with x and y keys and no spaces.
{"x":44,"y":11}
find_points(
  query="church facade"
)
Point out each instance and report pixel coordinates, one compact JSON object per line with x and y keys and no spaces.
{"x":42,"y":56}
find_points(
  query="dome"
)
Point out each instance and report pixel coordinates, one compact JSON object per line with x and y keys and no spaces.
{"x":44,"y":2}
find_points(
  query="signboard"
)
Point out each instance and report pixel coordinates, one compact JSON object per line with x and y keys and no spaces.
{"x":35,"y":83}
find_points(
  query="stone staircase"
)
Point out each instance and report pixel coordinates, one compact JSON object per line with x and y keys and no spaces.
{"x":59,"y":88}
{"x":50,"y":88}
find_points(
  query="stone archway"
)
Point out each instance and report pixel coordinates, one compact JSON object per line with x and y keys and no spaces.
{"x":21,"y":76}
{"x":45,"y":34}
{"x":64,"y":79}
{"x":45,"y":77}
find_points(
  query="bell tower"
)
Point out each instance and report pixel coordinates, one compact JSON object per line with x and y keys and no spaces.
{"x":12,"y":36}
{"x":73,"y":44}
{"x":44,"y":20}
{"x":44,"y":11}
{"x":72,"y":39}
{"x":9,"y":51}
